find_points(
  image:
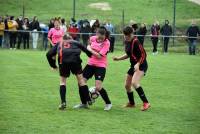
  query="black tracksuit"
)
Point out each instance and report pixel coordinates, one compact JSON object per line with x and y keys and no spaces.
{"x":166,"y":30}
{"x":142,"y":31}
{"x":155,"y":32}
{"x":19,"y":34}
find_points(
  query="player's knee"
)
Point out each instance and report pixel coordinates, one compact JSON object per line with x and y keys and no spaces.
{"x":81,"y":83}
{"x":128,"y":87}
{"x":98,"y":87}
{"x":135,"y":84}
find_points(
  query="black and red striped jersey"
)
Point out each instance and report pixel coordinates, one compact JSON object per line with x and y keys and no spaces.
{"x":68,"y":52}
{"x":135,"y":51}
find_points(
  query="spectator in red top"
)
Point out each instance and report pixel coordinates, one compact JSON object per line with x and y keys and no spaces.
{"x":73,"y":30}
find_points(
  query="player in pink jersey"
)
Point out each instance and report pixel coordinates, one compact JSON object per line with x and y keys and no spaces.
{"x":55,"y":34}
{"x":99,"y":47}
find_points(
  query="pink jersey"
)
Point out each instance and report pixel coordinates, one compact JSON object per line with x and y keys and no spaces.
{"x":101,"y":48}
{"x":55,"y":35}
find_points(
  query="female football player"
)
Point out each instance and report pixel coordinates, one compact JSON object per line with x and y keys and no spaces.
{"x":69,"y":61}
{"x":99,"y":47}
{"x":55,"y":34}
{"x":136,"y":53}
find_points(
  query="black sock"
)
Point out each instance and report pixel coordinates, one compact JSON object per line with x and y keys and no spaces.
{"x":82,"y":93}
{"x":63,"y":93}
{"x":131,"y":97}
{"x":104,"y":95}
{"x":141,"y":94}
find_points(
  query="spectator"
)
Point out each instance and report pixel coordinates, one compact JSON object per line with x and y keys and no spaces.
{"x":134,"y":25}
{"x":45,"y":30}
{"x":166,"y":30}
{"x":155,"y":33}
{"x":12,"y":26}
{"x":73,"y":30}
{"x":142,"y":31}
{"x":110,"y":28}
{"x":19,"y":33}
{"x":51,"y":24}
{"x":2,"y":28}
{"x":85,"y":28}
{"x":192,"y":33}
{"x":26,"y":35}
{"x":35,"y":27}
{"x":95,"y":26}
{"x":63,"y":25}
{"x":6,"y":33}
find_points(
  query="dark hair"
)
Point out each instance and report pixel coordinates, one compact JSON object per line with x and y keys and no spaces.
{"x":103,"y":31}
{"x":63,"y":21}
{"x":127,"y":30}
{"x":67,"y":37}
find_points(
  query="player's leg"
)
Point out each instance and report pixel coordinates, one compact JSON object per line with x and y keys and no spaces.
{"x":136,"y":84}
{"x":83,"y":90}
{"x":82,"y":77}
{"x":64,"y":73}
{"x":99,"y":77}
{"x":128,"y":88}
{"x":62,"y":106}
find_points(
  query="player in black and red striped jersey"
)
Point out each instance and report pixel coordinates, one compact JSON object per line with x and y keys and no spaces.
{"x":135,"y":51}
{"x":69,"y":60}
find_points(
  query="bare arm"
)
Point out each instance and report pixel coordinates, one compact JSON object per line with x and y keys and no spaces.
{"x":98,"y":55}
{"x":123,"y":57}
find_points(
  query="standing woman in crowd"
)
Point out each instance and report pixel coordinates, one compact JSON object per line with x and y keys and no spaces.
{"x":155,"y":29}
{"x":142,"y":31}
{"x":166,"y":31}
{"x":19,"y":33}
{"x":55,"y":34}
{"x":135,"y":51}
{"x":12,"y":26}
{"x":35,"y":27}
{"x":97,"y":63}
{"x":2,"y":28}
{"x":26,"y":34}
{"x":6,"y":33}
{"x":63,"y":25}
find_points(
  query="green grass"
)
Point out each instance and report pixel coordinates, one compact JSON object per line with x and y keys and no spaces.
{"x":140,"y":10}
{"x":29,"y":97}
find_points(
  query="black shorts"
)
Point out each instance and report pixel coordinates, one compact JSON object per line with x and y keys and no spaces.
{"x":98,"y":72}
{"x":66,"y":68}
{"x":143,"y":67}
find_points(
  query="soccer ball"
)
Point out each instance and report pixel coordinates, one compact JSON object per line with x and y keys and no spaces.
{"x":93,"y":93}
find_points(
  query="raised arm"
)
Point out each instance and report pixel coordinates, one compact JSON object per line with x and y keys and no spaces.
{"x":51,"y":56}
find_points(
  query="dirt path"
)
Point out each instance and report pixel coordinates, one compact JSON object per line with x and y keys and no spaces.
{"x":195,"y":1}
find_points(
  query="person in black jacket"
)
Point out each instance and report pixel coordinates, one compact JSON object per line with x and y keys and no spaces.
{"x":35,"y":26}
{"x":192,"y":33}
{"x":26,"y":34}
{"x":69,"y":60}
{"x":137,"y":55}
{"x":155,"y":31}
{"x":142,"y":31}
{"x":85,"y":28}
{"x":166,"y":31}
{"x":19,"y":21}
